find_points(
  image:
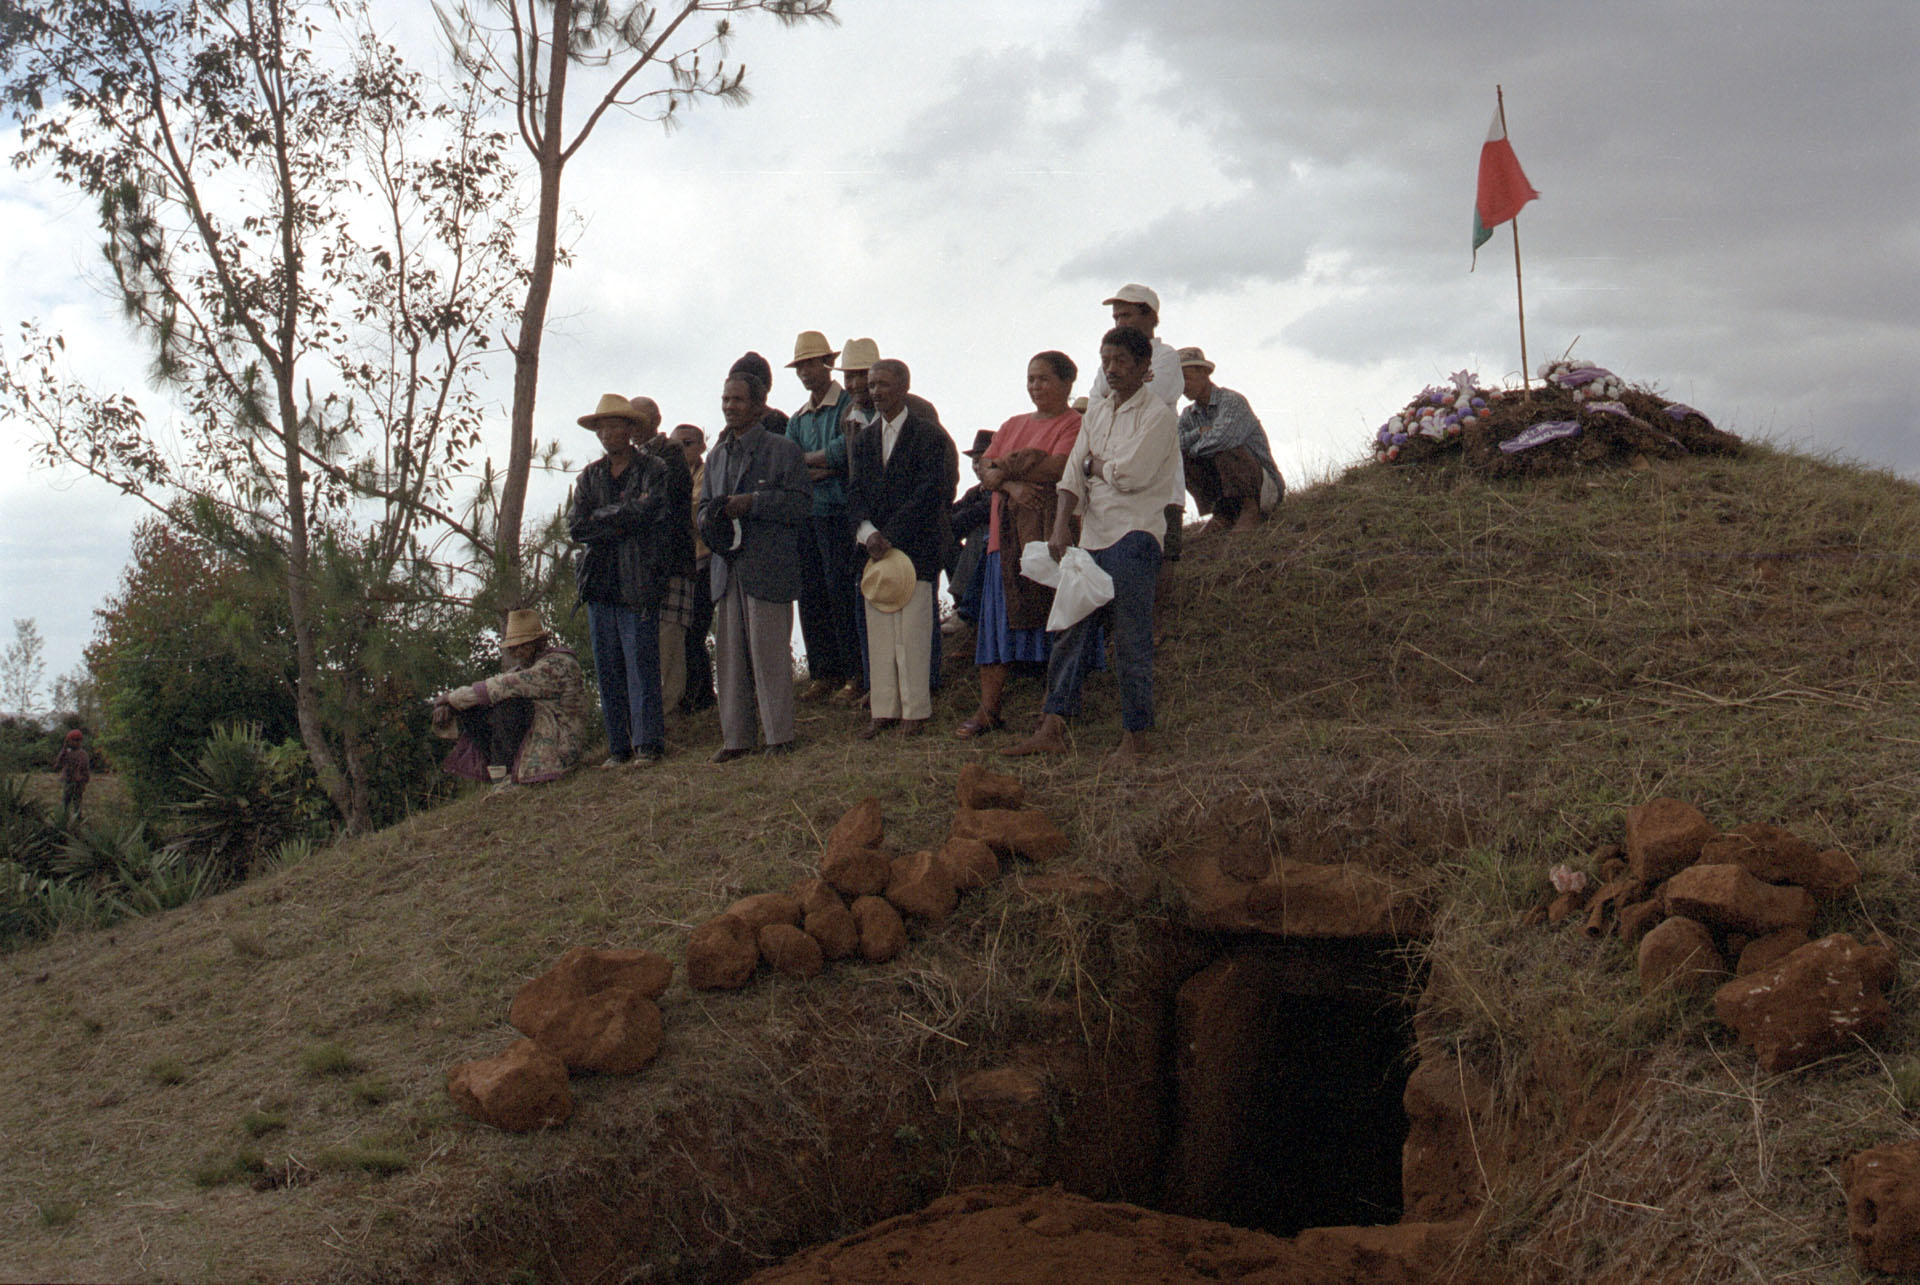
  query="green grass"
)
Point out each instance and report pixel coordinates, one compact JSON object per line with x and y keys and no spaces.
{"x":328,"y":1058}
{"x":167,"y":1071}
{"x":376,"y":1160}
{"x":257,"y":1124}
{"x":219,"y":1170}
{"x":1458,"y":684}
{"x":372,"y":1092}
{"x":55,"y":1214}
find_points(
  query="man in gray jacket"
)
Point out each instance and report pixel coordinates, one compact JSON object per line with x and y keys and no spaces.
{"x":755,"y":502}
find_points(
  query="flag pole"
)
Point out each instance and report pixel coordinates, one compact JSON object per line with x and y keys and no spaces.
{"x":1519,"y":288}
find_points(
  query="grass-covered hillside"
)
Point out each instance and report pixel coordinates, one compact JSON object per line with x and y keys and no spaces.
{"x":1457,"y":681}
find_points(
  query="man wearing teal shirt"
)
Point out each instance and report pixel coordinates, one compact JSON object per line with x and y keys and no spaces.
{"x":829,"y":594}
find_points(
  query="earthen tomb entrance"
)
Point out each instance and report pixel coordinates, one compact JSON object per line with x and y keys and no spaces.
{"x":1290,"y":1061}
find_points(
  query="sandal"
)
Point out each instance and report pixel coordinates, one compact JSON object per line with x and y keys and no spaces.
{"x":978,"y":725}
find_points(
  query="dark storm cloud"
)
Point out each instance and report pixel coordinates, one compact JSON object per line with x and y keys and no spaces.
{"x":1727,"y":188}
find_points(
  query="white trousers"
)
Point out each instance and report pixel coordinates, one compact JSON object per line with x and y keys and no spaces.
{"x":898,"y":644}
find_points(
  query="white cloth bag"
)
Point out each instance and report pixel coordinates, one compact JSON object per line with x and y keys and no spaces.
{"x":1080,"y":587}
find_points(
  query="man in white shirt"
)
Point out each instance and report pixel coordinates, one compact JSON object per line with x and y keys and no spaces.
{"x":1121,"y":469}
{"x":1138,"y":308}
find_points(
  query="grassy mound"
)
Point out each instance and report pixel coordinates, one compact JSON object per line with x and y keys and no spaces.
{"x":1458,"y":680}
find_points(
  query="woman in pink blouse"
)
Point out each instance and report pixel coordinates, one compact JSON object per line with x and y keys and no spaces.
{"x":1020,"y":468}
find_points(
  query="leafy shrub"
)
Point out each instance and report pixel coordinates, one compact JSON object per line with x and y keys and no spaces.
{"x":244,"y":798}
{"x":167,"y":672}
{"x":28,"y":836}
{"x":87,"y":879}
{"x":26,"y":745}
{"x":22,"y":912}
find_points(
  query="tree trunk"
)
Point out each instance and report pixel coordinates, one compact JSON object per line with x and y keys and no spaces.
{"x":286,"y":355}
{"x":533,"y":319}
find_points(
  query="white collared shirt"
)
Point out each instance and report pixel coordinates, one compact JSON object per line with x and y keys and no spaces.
{"x":1138,"y":445}
{"x":1168,"y":382}
{"x":890,"y":435}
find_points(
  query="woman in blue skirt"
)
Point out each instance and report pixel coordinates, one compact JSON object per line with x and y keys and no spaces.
{"x":1020,"y":468}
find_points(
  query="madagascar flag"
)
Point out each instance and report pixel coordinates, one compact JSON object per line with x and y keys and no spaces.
{"x":1503,"y":184}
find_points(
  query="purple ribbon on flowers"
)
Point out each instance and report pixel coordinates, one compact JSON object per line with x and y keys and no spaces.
{"x":1541,"y":434}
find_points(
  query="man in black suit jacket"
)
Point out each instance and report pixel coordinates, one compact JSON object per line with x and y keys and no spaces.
{"x":901,"y":480}
{"x":755,"y":501}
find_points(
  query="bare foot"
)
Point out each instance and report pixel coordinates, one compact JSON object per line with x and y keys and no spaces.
{"x":1132,"y":748}
{"x":1050,"y":737}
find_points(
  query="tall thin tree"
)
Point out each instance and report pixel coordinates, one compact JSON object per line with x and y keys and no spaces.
{"x":635,"y":65}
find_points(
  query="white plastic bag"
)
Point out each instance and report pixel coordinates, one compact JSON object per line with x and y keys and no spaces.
{"x":1080,"y":587}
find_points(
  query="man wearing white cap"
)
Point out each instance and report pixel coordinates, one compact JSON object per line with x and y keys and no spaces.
{"x":827,"y":592}
{"x":1229,"y":464}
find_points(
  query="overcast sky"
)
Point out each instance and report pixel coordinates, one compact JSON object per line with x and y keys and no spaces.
{"x":1729,"y":213}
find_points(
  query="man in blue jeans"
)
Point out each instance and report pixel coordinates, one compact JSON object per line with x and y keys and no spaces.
{"x":631,"y":509}
{"x":1118,"y":475}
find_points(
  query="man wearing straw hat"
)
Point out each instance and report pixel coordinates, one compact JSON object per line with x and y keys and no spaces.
{"x":901,"y":481}
{"x":1229,"y":465}
{"x":754,"y":504}
{"x":525,"y":724}
{"x":630,"y":509}
{"x":828,"y":597}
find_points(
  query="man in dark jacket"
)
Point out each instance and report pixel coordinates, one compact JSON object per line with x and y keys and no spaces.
{"x":630,"y":508}
{"x":902,"y":477}
{"x":755,"y":505}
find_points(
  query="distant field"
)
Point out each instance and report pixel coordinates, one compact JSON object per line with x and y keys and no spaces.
{"x":106,"y":799}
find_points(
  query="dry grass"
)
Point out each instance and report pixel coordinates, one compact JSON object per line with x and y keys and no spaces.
{"x":1457,"y":681}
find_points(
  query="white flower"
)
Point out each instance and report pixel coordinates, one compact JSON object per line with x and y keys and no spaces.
{"x":1566,"y":879}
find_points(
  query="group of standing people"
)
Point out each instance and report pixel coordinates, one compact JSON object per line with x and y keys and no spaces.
{"x":847,"y":508}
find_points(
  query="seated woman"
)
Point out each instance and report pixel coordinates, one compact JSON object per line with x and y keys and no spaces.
{"x":1020,"y":469}
{"x":524,"y":725}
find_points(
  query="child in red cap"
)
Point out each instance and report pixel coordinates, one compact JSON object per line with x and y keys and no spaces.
{"x":75,"y":769}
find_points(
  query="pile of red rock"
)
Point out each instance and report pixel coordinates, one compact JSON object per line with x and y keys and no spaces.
{"x":1696,"y":899}
{"x":595,"y":1010}
{"x":864,"y":897}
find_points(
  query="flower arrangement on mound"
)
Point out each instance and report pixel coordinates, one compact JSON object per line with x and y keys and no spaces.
{"x":1437,"y":415}
{"x":1578,"y":414}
